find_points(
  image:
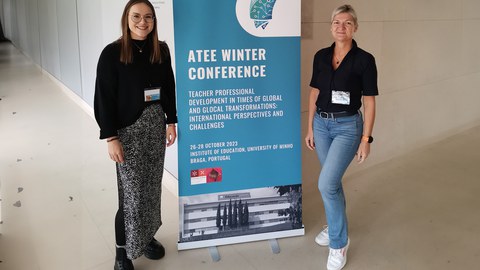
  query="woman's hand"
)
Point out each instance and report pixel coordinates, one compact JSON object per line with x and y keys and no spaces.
{"x":363,"y":152}
{"x":115,"y":150}
{"x":312,"y":108}
{"x":309,"y":140}
{"x":171,"y":134}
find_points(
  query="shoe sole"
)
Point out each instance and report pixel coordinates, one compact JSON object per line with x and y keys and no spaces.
{"x":148,"y":256}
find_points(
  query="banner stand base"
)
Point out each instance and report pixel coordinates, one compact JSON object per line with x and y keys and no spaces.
{"x":274,"y":245}
{"x":240,"y":239}
{"x":214,"y":253}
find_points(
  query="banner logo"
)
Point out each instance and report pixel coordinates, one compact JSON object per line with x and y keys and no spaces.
{"x":203,"y":176}
{"x":269,"y":18}
{"x":261,"y":12}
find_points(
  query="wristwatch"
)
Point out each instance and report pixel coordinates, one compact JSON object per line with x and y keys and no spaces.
{"x":368,"y":139}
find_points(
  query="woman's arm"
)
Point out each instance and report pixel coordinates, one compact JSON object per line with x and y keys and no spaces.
{"x":368,"y":121}
{"x":312,"y":108}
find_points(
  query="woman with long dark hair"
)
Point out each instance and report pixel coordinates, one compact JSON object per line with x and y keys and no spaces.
{"x":136,"y":112}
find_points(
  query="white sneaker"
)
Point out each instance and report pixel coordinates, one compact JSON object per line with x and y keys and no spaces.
{"x":322,"y":238}
{"x":337,"y":258}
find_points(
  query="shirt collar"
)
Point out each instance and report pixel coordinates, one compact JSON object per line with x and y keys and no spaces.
{"x":354,"y":47}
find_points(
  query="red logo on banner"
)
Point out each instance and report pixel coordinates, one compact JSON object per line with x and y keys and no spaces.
{"x":206,"y":175}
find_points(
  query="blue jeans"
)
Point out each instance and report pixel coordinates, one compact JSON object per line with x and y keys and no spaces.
{"x":336,"y":142}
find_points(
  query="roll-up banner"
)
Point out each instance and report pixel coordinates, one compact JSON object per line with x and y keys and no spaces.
{"x":238,"y":99}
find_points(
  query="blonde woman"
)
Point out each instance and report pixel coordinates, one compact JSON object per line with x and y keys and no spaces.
{"x":343,"y":76}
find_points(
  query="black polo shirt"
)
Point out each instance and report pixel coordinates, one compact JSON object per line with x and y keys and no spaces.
{"x":357,"y":75}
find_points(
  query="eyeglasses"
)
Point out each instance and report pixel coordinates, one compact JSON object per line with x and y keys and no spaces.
{"x":138,"y":18}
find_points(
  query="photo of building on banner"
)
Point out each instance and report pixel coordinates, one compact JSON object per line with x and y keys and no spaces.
{"x":237,"y":69}
{"x":241,"y":214}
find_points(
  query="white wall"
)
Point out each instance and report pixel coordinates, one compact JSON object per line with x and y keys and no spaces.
{"x":426,"y":51}
{"x":98,"y":25}
{"x":65,"y":38}
{"x":428,"y":63}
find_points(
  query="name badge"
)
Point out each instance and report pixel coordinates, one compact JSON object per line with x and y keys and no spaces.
{"x":152,"y":94}
{"x":340,"y":97}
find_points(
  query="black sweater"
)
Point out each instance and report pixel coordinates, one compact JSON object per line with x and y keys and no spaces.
{"x":119,"y":88}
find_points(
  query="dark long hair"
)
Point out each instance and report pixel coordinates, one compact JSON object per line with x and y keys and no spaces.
{"x":126,"y":54}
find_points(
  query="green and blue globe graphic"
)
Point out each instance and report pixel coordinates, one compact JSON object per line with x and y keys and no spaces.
{"x":261,"y":12}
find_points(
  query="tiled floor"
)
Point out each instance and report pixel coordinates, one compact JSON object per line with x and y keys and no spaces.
{"x":418,"y":211}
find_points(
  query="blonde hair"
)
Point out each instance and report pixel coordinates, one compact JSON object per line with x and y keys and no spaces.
{"x":345,"y":9}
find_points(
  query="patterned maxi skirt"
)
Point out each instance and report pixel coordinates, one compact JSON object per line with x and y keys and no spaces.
{"x":139,"y":178}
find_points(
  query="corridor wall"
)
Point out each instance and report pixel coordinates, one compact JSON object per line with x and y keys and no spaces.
{"x":428,"y":64}
{"x":65,"y":39}
{"x":427,"y":56}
